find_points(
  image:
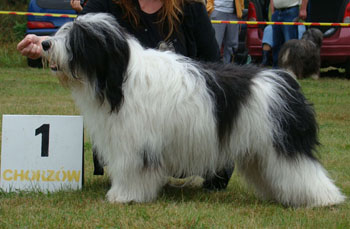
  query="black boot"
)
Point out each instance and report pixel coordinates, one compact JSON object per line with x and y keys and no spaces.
{"x":98,"y":167}
{"x":220,"y":180}
{"x":265,"y":58}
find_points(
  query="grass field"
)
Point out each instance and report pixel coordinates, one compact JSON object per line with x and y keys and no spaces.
{"x":32,"y":91}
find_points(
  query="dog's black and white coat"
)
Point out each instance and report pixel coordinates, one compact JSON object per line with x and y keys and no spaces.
{"x":302,"y":57}
{"x":154,"y":114}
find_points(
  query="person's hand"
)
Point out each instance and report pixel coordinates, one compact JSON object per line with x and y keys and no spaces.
{"x":272,"y":8}
{"x":76,"y":5}
{"x":30,"y":46}
{"x":302,"y":14}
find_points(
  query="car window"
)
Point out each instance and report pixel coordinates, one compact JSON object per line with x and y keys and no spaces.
{"x":54,"y":4}
{"x":326,"y":11}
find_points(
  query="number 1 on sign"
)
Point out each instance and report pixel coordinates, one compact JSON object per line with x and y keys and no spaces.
{"x":44,"y":130}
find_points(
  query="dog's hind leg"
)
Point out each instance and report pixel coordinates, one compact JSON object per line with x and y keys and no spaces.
{"x":250,"y":169}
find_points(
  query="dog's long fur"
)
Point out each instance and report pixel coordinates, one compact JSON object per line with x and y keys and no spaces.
{"x":302,"y":57}
{"x":154,"y":114}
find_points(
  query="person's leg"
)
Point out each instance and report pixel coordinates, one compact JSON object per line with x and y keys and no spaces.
{"x":301,"y":31}
{"x":267,"y":44}
{"x":278,"y":38}
{"x":268,"y":37}
{"x":219,"y":28}
{"x":231,"y":38}
{"x":266,"y":52}
{"x":290,"y":32}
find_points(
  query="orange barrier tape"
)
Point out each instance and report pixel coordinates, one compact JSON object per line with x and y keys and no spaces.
{"x":38,"y":14}
{"x":213,"y":21}
{"x":282,"y":23}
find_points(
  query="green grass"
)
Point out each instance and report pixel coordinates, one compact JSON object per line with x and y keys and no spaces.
{"x":12,"y":30}
{"x":9,"y":56}
{"x":31,"y":91}
{"x":9,"y":30}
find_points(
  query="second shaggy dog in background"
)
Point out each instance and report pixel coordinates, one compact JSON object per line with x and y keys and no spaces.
{"x":302,"y":57}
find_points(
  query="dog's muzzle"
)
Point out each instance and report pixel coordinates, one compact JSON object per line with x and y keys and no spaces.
{"x":46,"y":45}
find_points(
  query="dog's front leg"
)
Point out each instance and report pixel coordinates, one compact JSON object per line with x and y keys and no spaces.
{"x":134,"y":180}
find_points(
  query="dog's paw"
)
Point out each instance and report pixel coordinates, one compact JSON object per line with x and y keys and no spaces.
{"x":117,"y":195}
{"x":114,"y":196}
{"x":315,"y":76}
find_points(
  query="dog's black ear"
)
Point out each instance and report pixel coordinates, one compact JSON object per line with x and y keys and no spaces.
{"x":103,"y":56}
{"x":118,"y":60}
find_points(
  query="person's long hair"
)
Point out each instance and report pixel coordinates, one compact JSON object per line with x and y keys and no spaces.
{"x":169,"y":15}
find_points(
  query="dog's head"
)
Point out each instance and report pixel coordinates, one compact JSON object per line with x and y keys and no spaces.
{"x":91,"y":50}
{"x":314,"y":35}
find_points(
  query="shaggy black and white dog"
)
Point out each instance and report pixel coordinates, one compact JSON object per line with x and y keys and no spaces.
{"x":154,"y":114}
{"x":302,"y":57}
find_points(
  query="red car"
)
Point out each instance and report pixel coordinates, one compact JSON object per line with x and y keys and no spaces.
{"x":335,"y":50}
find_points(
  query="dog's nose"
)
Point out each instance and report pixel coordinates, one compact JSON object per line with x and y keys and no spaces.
{"x":46,"y":45}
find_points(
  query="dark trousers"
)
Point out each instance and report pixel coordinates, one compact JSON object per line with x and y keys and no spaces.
{"x":283,"y":33}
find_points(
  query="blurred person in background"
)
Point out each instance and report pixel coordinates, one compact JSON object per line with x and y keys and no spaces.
{"x":226,"y":34}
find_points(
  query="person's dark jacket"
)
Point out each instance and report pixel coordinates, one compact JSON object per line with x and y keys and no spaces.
{"x":195,"y":37}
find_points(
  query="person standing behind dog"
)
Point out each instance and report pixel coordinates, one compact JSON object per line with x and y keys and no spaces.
{"x":226,"y":34}
{"x":182,"y":26}
{"x":285,"y":11}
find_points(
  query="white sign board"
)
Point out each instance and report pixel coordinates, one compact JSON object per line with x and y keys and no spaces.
{"x":41,"y":152}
